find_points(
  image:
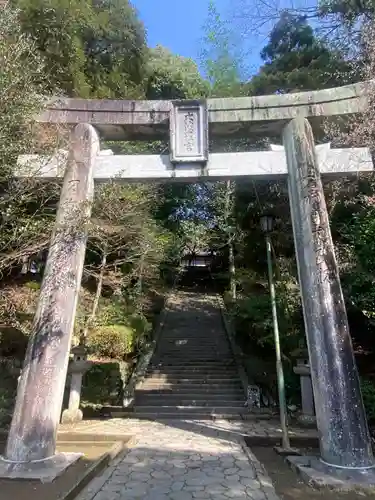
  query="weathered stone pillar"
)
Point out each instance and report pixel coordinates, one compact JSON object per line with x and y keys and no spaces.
{"x":33,"y":431}
{"x":341,"y":420}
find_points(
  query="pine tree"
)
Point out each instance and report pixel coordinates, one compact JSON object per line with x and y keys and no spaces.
{"x":296,"y":59}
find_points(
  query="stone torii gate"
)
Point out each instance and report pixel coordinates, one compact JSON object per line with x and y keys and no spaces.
{"x":344,"y":436}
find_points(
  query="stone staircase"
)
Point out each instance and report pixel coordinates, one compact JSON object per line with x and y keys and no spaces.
{"x":192,"y":373}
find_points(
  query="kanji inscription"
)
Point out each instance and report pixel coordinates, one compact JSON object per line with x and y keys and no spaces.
{"x":188,"y":132}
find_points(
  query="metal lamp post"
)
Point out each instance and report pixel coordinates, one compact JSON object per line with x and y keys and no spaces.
{"x":266,"y":223}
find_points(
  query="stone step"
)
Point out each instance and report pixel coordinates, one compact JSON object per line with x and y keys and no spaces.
{"x":181,"y":415}
{"x":192,"y":366}
{"x":182,"y":382}
{"x":193,"y":351}
{"x":236,"y":409}
{"x":191,"y":362}
{"x":188,"y":351}
{"x":200,"y":391}
{"x":161,"y":363}
{"x":177,"y":370}
{"x":190,"y":384}
{"x":187,"y":337}
{"x":191,"y":369}
{"x":192,"y":358}
{"x":193,"y":342}
{"x":196,"y":346}
{"x":141,"y":401}
{"x":170,"y":378}
{"x":194,"y":376}
{"x":204,"y":395}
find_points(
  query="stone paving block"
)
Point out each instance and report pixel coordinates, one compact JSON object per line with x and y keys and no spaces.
{"x":153,"y":496}
{"x":201,"y":495}
{"x":175,"y":462}
{"x":103,"y":495}
{"x":250,"y":483}
{"x":250,"y":473}
{"x":259,"y":495}
{"x":181,"y":495}
{"x":177,"y":486}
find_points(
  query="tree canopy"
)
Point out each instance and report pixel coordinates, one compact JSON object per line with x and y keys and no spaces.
{"x":90,"y":49}
{"x":172,"y":77}
{"x":295,"y":59}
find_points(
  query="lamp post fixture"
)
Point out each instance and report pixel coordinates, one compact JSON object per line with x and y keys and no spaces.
{"x":266,"y":223}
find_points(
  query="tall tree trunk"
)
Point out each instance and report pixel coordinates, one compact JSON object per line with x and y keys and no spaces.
{"x":98,"y":294}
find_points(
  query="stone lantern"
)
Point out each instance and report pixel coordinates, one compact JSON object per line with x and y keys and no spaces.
{"x":77,"y":368}
{"x":307,"y":396}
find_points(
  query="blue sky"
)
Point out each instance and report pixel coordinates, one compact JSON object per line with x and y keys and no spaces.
{"x":178,"y":24}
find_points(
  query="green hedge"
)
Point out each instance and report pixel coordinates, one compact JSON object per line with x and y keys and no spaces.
{"x":103,"y":384}
{"x":112,"y":341}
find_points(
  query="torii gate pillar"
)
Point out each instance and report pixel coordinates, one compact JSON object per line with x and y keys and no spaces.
{"x":343,"y":432}
{"x":31,"y":445}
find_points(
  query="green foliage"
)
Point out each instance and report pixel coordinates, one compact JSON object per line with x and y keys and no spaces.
{"x":220,"y":56}
{"x":172,"y":77}
{"x":296,"y":59}
{"x":103,"y":384}
{"x":253,"y":315}
{"x":33,"y":285}
{"x":352,"y":221}
{"x":348,"y":11}
{"x":89,"y":48}
{"x":115,"y":50}
{"x":119,"y":312}
{"x":21,"y":90}
{"x":363,"y":237}
{"x":13,"y":342}
{"x":8,"y":389}
{"x":194,"y":234}
{"x":140,"y":325}
{"x":111,"y":341}
{"x":24,"y":205}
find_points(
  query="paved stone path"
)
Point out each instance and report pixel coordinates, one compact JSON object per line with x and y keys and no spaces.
{"x":180,"y":460}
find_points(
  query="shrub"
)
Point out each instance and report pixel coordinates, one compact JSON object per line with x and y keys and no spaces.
{"x":112,"y":341}
{"x":9,"y":370}
{"x":140,"y":324}
{"x":32,"y":285}
{"x":103,"y":384}
{"x":13,"y":342}
{"x":252,"y":317}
